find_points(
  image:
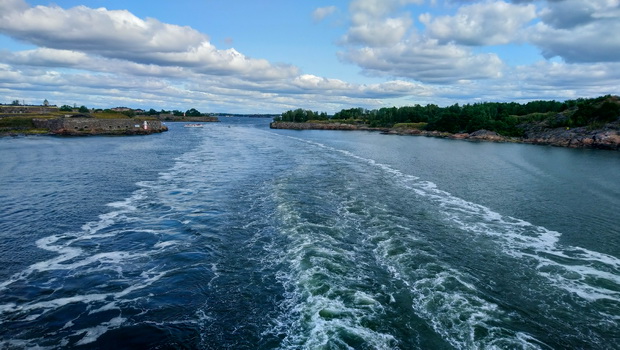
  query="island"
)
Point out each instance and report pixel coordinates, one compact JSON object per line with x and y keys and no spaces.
{"x":580,"y":123}
{"x":20,"y":119}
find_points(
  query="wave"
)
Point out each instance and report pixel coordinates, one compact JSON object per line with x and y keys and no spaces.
{"x":450,"y":298}
{"x":105,"y":276}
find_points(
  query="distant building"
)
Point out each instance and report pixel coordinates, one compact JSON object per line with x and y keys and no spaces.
{"x":121,"y":109}
{"x":6,"y":110}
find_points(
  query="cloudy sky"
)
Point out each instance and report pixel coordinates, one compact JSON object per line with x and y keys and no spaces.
{"x":268,"y":56}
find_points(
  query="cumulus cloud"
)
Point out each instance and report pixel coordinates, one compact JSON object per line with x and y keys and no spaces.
{"x":579,"y":30}
{"x":378,"y":8}
{"x":573,"y":13}
{"x":118,"y":34}
{"x":100,"y":56}
{"x":591,"y":43}
{"x":371,"y":24}
{"x":395,"y":88}
{"x":387,"y":46}
{"x":425,"y":61}
{"x":489,"y":23}
{"x":320,"y":13}
{"x":378,"y":33}
{"x":601,"y":78}
{"x":45,"y":57}
{"x":95,"y":30}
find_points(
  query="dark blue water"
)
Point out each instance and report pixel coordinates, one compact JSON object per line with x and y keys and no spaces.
{"x":235,"y":236}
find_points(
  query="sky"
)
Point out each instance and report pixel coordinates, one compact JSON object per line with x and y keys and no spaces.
{"x":269,"y":56}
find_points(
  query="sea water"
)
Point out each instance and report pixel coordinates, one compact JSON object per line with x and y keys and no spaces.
{"x":235,"y":236}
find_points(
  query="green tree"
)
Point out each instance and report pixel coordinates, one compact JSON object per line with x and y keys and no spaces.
{"x":83,"y":109}
{"x":66,"y":108}
{"x":193,"y":112}
{"x":130,"y":113}
{"x":608,"y":112}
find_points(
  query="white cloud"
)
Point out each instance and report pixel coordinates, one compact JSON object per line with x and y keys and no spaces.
{"x":116,"y":54}
{"x":396,"y":88}
{"x":590,"y":43}
{"x":371,"y":24}
{"x":425,"y":61}
{"x":489,"y":23}
{"x":53,"y":58}
{"x":320,"y":13}
{"x":387,"y":46}
{"x":579,"y":31}
{"x":378,"y":33}
{"x":96,"y":30}
{"x":8,"y":6}
{"x":119,"y":34}
{"x":101,"y":57}
{"x":568,"y":14}
{"x":599,"y":78}
{"x":104,"y":81}
{"x":378,"y":8}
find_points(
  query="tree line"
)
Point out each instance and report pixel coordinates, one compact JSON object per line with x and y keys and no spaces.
{"x":501,"y":117}
{"x":192,"y":112}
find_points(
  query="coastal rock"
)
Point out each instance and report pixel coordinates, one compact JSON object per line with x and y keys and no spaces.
{"x":319,"y":126}
{"x":608,"y":137}
{"x":460,"y":136}
{"x":486,"y":135}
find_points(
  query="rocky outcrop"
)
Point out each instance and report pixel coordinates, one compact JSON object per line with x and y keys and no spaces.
{"x":90,"y":126}
{"x":486,"y":135}
{"x":316,"y":126}
{"x":607,"y":137}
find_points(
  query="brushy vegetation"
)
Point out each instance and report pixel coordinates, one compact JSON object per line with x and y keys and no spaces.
{"x":16,"y":123}
{"x":418,"y":126}
{"x":19,"y":125}
{"x":505,"y":118}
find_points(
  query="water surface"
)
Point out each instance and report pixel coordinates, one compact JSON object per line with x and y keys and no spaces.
{"x":236,"y":236}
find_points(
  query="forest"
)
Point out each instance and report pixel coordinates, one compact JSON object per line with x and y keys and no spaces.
{"x":505,"y":118}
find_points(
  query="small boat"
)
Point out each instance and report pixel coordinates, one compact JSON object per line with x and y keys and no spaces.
{"x":193,"y":125}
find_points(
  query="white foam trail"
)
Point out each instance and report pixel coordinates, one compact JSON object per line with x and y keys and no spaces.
{"x":536,"y":246}
{"x":97,"y":268}
{"x":320,"y":310}
{"x":517,"y":237}
{"x":93,"y":333}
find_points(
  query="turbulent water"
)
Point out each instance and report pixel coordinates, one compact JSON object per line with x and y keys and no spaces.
{"x":235,"y":236}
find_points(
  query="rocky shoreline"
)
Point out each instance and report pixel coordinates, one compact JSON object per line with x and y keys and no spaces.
{"x":606,"y":137}
{"x":92,"y":126}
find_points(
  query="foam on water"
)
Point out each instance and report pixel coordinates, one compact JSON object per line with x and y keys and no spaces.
{"x":320,"y":308}
{"x":100,"y":272}
{"x":324,"y":249}
{"x":517,"y":237}
{"x":445,"y":297}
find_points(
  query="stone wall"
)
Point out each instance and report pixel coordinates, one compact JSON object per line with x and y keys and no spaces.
{"x":12,"y":110}
{"x":91,"y":126}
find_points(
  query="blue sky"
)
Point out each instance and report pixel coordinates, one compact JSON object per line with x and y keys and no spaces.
{"x":260,"y":56}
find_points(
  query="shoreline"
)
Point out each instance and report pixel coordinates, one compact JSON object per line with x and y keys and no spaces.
{"x":607,"y":137}
{"x":87,"y":127}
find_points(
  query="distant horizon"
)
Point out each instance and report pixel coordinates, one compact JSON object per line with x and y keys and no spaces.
{"x":269,"y":57}
{"x":146,"y":109}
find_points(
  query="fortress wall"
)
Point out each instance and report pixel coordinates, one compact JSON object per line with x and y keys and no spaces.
{"x":99,"y":126}
{"x":27,"y":109}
